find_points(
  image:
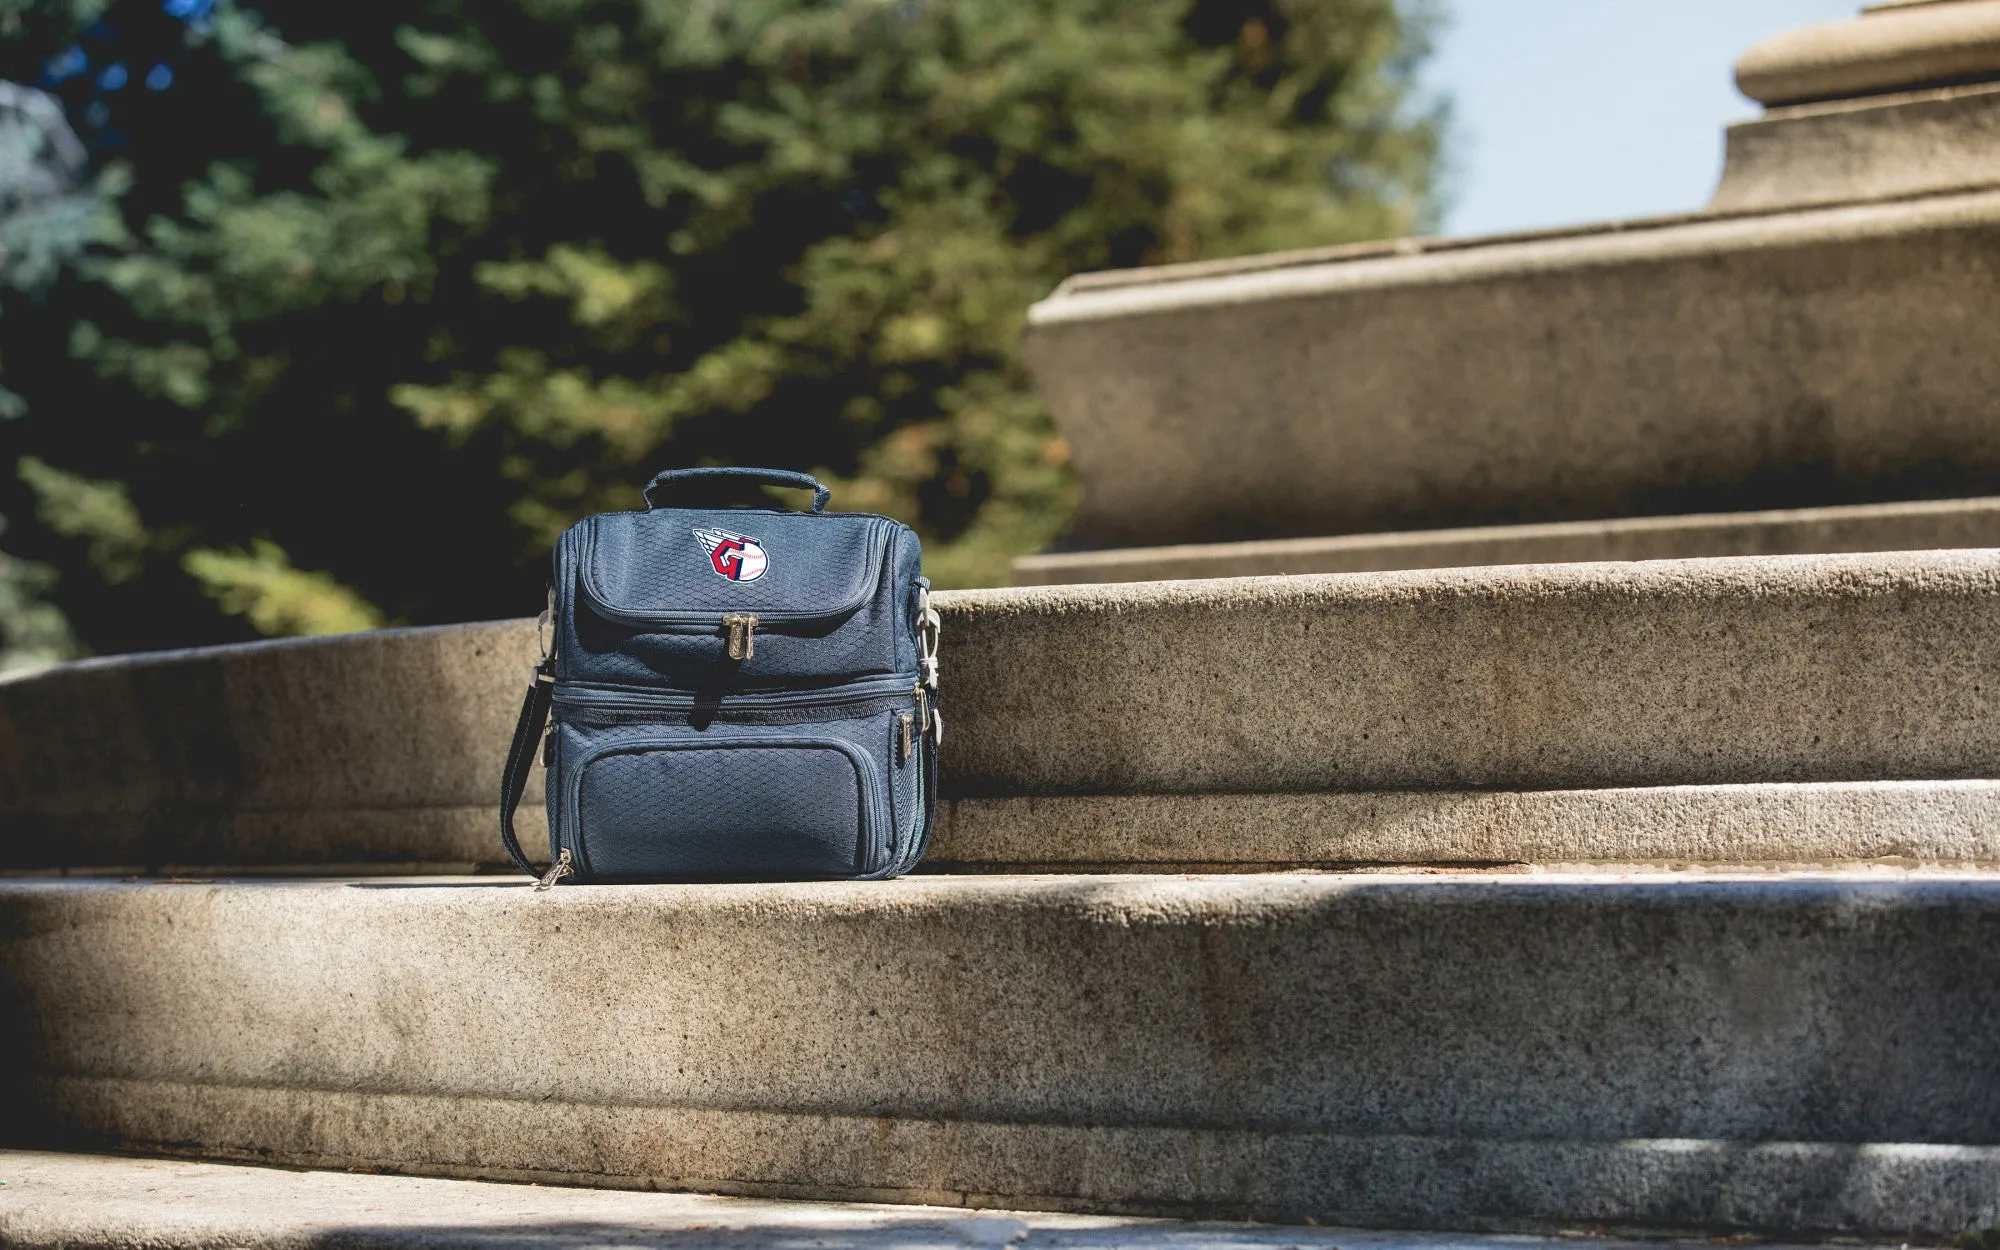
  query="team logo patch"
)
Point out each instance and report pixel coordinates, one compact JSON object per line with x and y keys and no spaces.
{"x":734,"y":556}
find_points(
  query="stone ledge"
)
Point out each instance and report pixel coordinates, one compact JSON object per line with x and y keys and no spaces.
{"x":381,"y":747}
{"x":1822,"y":357}
{"x":1913,"y":143}
{"x":100,"y":1202}
{"x":385,"y":748}
{"x":1913,"y":526}
{"x":1893,"y":46}
{"x":1712,"y":1054}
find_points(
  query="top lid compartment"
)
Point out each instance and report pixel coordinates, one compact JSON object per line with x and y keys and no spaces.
{"x":687,"y":567}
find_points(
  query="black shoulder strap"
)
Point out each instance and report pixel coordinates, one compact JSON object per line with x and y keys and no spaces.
{"x":929,"y":754}
{"x":521,"y":757}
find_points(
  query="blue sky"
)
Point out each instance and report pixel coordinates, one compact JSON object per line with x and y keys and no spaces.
{"x":1583,"y":110}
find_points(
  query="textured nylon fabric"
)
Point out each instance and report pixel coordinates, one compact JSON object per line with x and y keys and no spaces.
{"x":577,"y":817}
{"x":808,"y":817}
{"x":864,"y":645}
{"x":654,"y":563}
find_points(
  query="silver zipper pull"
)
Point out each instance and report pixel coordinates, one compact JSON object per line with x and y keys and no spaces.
{"x":742,"y":627}
{"x":906,"y":721}
{"x":557,"y":871}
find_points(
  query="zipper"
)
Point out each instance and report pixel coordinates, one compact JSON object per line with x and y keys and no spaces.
{"x":605,"y":702}
{"x":557,"y":871}
{"x":742,"y":630}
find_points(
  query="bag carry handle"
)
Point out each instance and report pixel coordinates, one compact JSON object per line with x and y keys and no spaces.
{"x":759,"y":477}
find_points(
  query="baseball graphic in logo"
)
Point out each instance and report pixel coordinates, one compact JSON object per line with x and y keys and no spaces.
{"x":734,"y":556}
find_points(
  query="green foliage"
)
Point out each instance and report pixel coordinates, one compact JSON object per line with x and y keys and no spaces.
{"x":33,"y":633}
{"x":99,"y":513}
{"x":450,"y":274}
{"x":261,"y":586}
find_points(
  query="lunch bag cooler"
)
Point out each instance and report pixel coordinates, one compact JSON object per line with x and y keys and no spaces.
{"x":738,"y":694}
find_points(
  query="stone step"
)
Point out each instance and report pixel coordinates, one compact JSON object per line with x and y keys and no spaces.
{"x":1803,"y":1054}
{"x":1833,"y":355}
{"x":103,"y":1202}
{"x":1711,"y":710}
{"x":1920,"y":526}
{"x":1901,"y":101}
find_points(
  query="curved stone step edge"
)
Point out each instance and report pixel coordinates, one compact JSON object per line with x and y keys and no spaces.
{"x":1920,"y":525}
{"x":102,"y":1202}
{"x":1808,"y":1054}
{"x":1812,"y":823}
{"x":1587,"y":676}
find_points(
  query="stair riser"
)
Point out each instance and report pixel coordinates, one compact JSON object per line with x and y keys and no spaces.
{"x":1913,"y":822}
{"x":1379,"y":1051}
{"x":1828,"y":668}
{"x":1909,"y":143}
{"x":1834,"y":356}
{"x":386,"y":747}
{"x":376,"y":747}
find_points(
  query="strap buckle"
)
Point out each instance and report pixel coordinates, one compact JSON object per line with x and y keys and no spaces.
{"x":929,"y":627}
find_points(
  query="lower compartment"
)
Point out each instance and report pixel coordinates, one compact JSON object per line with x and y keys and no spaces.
{"x":643,"y":796}
{"x":725,"y":808}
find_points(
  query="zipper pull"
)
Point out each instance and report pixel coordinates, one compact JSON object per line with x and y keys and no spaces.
{"x":557,"y":871}
{"x":905,"y":721}
{"x":742,"y":627}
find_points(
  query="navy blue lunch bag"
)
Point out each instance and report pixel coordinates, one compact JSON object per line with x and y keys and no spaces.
{"x":738,"y":694}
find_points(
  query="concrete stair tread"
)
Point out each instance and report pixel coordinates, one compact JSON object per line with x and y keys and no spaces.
{"x":106,"y":1202}
{"x":1806,"y":1051}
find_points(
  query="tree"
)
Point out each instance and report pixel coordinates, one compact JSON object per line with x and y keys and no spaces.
{"x":447,"y":275}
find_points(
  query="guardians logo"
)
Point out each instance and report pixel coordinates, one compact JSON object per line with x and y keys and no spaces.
{"x":734,"y":556}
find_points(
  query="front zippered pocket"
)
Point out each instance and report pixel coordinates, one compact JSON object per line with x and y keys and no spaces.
{"x":659,"y":804}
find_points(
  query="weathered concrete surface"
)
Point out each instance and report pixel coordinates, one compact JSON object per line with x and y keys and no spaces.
{"x":1913,"y":143}
{"x":105,"y":1202}
{"x":1893,"y":46}
{"x":1804,"y":1055}
{"x":1555,"y":677}
{"x":1779,"y":668}
{"x":381,"y":747}
{"x":1903,"y":822}
{"x":1829,"y":356}
{"x":1917,"y":526}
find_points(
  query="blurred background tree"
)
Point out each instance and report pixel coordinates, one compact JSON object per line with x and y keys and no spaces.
{"x":354,"y":307}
